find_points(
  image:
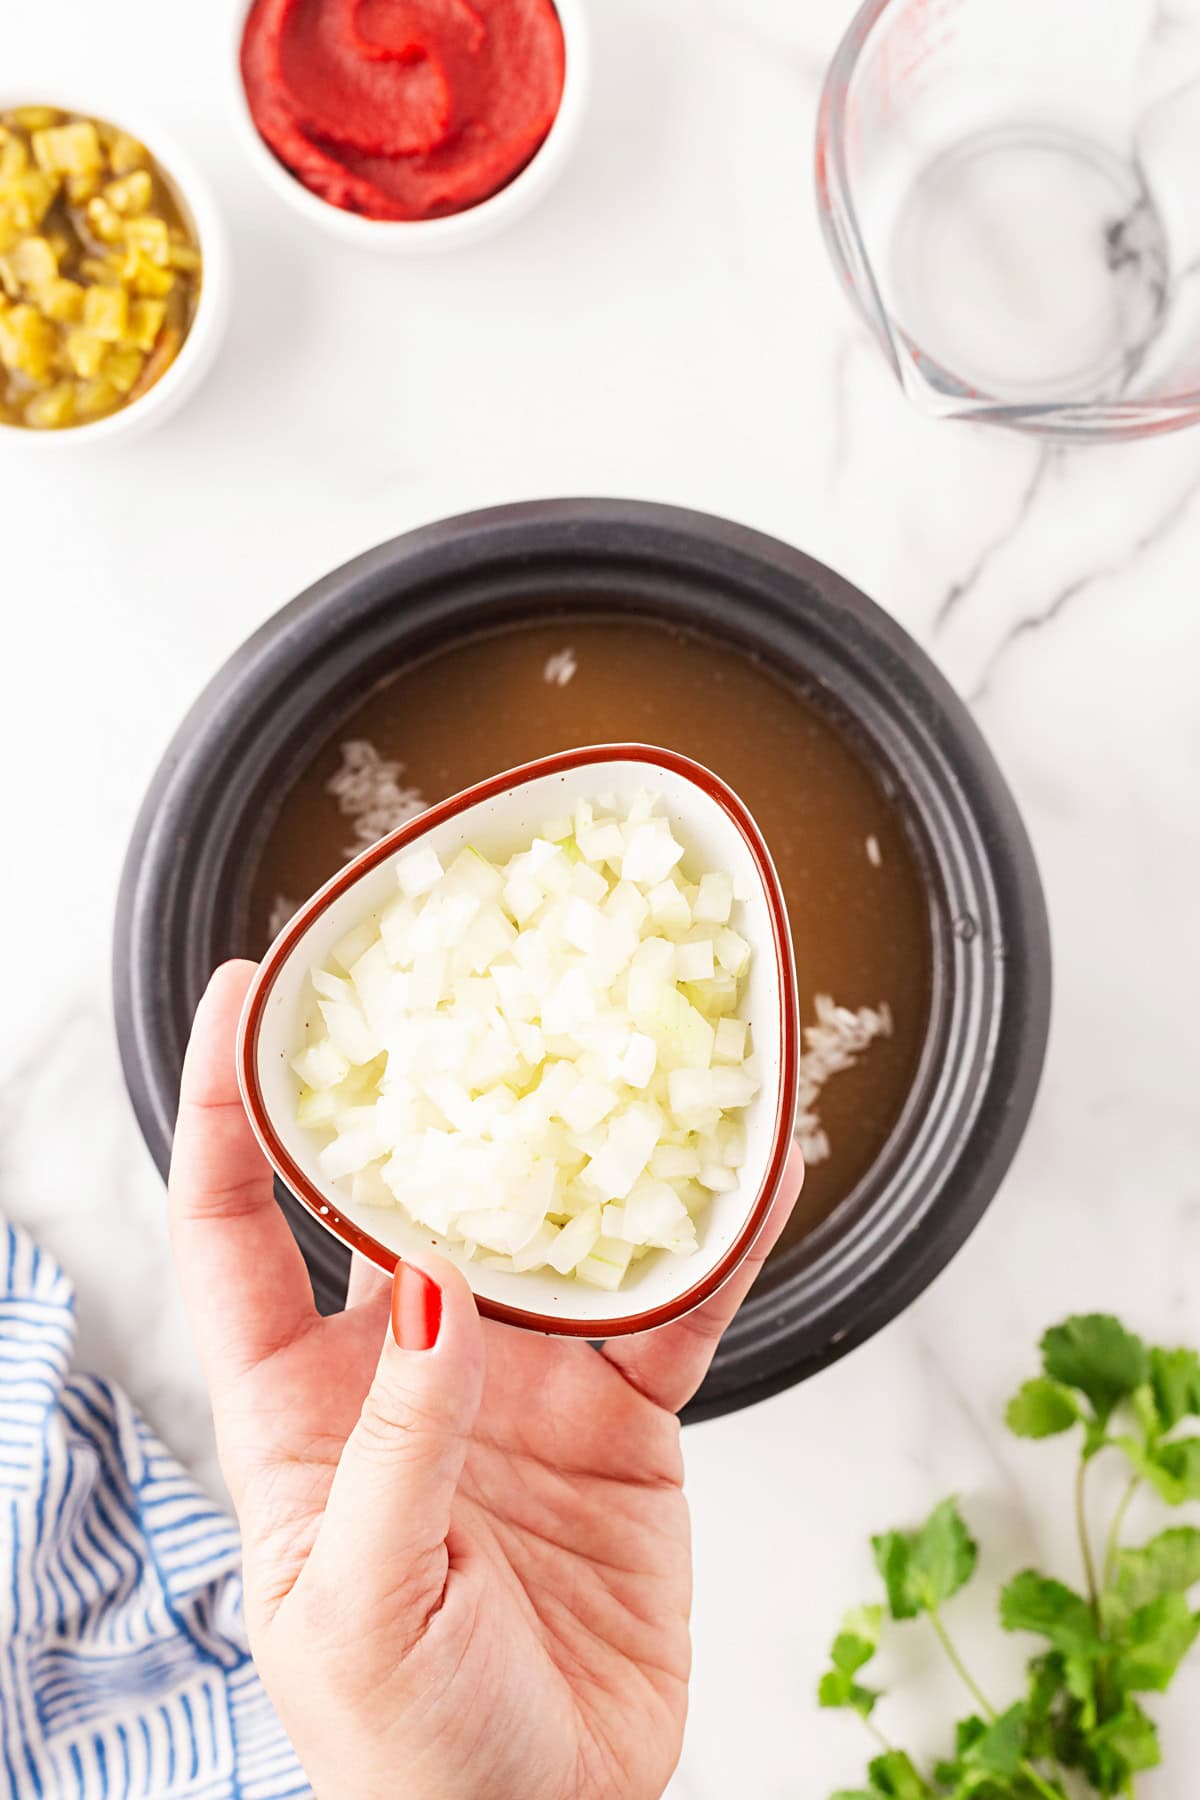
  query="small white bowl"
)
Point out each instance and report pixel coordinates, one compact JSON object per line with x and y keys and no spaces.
{"x":497,"y":816}
{"x":420,"y":236}
{"x":199,"y":348}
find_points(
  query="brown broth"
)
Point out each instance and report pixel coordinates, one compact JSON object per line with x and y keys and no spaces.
{"x":861,"y":931}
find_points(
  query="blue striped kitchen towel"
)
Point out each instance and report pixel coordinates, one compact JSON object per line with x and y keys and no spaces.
{"x":124,"y":1670}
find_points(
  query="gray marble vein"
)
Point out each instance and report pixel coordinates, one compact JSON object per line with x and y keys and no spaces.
{"x":1168,"y":522}
{"x":963,"y":585}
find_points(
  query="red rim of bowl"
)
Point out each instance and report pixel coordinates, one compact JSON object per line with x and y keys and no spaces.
{"x":321,"y":1204}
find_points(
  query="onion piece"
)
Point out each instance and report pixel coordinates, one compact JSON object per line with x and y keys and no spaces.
{"x":418,"y":871}
{"x":715,"y":900}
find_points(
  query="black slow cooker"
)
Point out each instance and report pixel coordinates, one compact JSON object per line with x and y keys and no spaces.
{"x":185,"y":895}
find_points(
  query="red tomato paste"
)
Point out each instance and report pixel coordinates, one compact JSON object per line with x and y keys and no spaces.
{"x":403,"y":109}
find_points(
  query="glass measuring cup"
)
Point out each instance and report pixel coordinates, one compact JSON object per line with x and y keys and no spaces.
{"x":1010,"y":191}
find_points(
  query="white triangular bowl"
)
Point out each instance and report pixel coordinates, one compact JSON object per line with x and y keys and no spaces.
{"x":498,"y":816}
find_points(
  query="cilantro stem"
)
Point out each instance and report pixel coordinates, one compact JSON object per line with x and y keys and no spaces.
{"x":1114,"y":1536}
{"x":960,"y":1668}
{"x":883,"y":1742}
{"x":1036,"y":1781}
{"x":1085,"y":1542}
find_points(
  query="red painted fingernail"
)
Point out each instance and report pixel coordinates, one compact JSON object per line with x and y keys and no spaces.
{"x":416,"y":1309}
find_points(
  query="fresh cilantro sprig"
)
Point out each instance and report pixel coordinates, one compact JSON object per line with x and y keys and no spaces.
{"x":1080,"y":1727}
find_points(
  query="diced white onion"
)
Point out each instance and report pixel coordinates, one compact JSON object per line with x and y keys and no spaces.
{"x":669,"y":906}
{"x":351,"y":947}
{"x":506,"y":1050}
{"x":694,"y":962}
{"x":606,"y":1263}
{"x":714,"y":902}
{"x":732,"y":951}
{"x":322,"y":1065}
{"x":418,"y":871}
{"x":317,"y":1109}
{"x":575,"y":1241}
{"x":638,"y":1063}
{"x":672,"y":1161}
{"x":602,"y":843}
{"x":650,"y":854}
{"x":717,"y":1178}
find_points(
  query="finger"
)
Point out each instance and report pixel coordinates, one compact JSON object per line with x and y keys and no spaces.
{"x":368,"y":1282}
{"x":244,"y":1282}
{"x":400,"y":1468}
{"x":668,"y":1365}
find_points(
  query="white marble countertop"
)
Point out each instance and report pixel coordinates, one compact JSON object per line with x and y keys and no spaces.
{"x":665,"y":326}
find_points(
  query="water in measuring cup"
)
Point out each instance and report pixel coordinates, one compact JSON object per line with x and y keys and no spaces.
{"x":1030,"y":263}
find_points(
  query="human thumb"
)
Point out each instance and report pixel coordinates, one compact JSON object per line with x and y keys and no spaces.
{"x":395,"y":1482}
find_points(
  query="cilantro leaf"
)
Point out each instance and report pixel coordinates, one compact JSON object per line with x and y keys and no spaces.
{"x":1042,"y":1408}
{"x":1112,"y":1754}
{"x":1045,"y":1685}
{"x":1145,"y":1410}
{"x":1105,"y":1768}
{"x":858,"y":1639}
{"x":1154,"y":1641}
{"x":967,"y":1734}
{"x":1095,"y":1354}
{"x":1173,"y":1468}
{"x":1175,"y":1382}
{"x":894,"y":1776}
{"x":1079,"y":1677}
{"x":1033,"y":1602}
{"x":893,"y":1559}
{"x":999,"y":1750}
{"x":944,"y":1554}
{"x":924,"y":1569}
{"x":988,"y":1758}
{"x":1176,"y":1470}
{"x":1168,"y":1564}
{"x":853,"y":1647}
{"x":1132,"y":1737}
{"x":837,"y":1689}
